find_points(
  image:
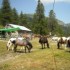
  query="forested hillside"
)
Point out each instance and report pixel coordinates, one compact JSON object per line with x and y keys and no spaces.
{"x":37,"y":22}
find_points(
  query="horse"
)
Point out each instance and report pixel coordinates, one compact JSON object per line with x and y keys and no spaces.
{"x":68,"y":43}
{"x":43,"y":40}
{"x":62,"y":40}
{"x":55,"y":38}
{"x":19,"y":42}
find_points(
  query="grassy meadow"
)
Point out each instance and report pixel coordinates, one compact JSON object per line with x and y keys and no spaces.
{"x":46,"y":59}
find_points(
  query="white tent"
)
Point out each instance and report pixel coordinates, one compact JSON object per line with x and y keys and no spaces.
{"x":18,"y":26}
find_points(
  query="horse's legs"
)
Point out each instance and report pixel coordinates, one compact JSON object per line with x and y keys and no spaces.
{"x":44,"y":45}
{"x":12,"y":48}
{"x":47,"y":45}
{"x":29,"y":45}
{"x":58,"y":45}
{"x":21,"y":48}
{"x":27,"y":48}
{"x":15,"y":48}
{"x":65,"y":46}
{"x":8,"y":48}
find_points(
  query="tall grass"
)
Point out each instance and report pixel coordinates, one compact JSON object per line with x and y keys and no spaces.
{"x":38,"y":59}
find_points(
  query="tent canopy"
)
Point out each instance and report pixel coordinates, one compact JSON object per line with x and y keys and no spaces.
{"x":18,"y":26}
{"x":9,"y":29}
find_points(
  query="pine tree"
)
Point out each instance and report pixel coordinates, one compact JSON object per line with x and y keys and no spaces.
{"x":39,"y":19}
{"x":52,"y":24}
{"x":21,"y":18}
{"x":15,"y":18}
{"x":25,"y":21}
{"x":6,"y":12}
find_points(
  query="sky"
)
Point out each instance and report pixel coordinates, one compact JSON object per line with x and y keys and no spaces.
{"x":61,"y":7}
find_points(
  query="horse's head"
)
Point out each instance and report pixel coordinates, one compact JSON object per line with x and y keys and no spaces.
{"x":29,"y":44}
{"x":10,"y":43}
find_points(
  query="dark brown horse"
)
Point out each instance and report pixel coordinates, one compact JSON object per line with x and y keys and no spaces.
{"x":43,"y":40}
{"x":18,"y":42}
{"x":68,"y":43}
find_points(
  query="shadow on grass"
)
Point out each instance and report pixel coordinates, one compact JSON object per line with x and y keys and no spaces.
{"x":20,"y":51}
{"x":61,"y":48}
{"x":68,"y":51}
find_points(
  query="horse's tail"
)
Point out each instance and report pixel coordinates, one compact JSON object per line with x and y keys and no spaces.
{"x":58,"y":45}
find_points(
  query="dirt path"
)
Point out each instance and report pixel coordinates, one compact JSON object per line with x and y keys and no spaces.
{"x":9,"y":56}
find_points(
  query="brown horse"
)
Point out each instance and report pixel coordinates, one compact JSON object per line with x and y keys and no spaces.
{"x":18,"y":42}
{"x":43,"y":40}
{"x":61,"y":41}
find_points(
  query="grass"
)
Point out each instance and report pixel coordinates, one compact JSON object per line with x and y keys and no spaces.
{"x":38,"y":59}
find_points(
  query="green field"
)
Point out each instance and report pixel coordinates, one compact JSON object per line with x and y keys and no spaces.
{"x":38,"y":59}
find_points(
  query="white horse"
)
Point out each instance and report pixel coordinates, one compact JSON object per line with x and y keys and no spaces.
{"x":55,"y":38}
